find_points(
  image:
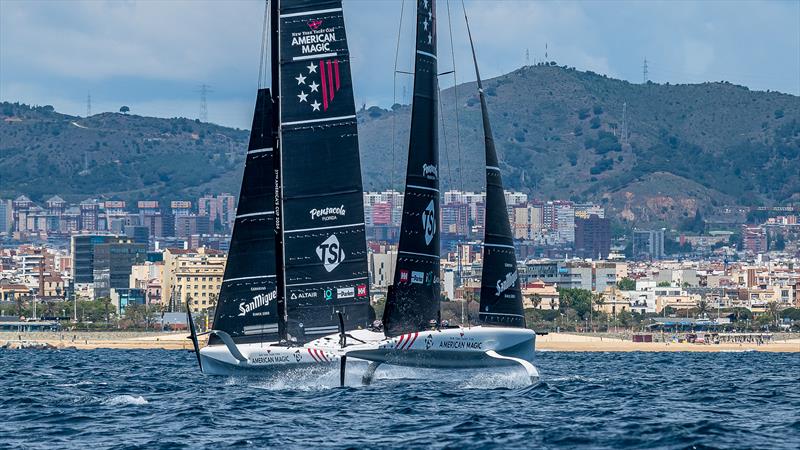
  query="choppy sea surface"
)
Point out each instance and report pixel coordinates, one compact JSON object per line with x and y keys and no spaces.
{"x":157,"y":399}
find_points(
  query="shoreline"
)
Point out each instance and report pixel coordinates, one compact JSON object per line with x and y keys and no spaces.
{"x":553,"y":342}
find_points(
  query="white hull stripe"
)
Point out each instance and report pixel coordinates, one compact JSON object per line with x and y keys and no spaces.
{"x":262,"y":213}
{"x":499,"y":245}
{"x":429,"y":55}
{"x":261,"y":327}
{"x":318,"y":55}
{"x":493,"y":168}
{"x":327,"y":119}
{"x":334,"y":328}
{"x":262,"y":150}
{"x":421,"y":187}
{"x":324,"y":228}
{"x":420,"y":254}
{"x":308,"y":13}
{"x":326,"y":282}
{"x":248,"y":278}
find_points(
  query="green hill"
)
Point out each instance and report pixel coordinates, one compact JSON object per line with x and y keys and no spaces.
{"x":558,"y":132}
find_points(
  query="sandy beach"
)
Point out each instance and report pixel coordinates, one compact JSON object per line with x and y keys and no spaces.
{"x":561,"y":342}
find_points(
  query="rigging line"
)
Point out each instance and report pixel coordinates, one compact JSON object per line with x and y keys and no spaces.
{"x":261,"y":72}
{"x":394,"y":120}
{"x":455,"y":95}
{"x":441,"y":113}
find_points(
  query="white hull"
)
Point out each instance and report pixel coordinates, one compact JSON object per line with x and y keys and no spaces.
{"x":264,"y":358}
{"x":454,"y":348}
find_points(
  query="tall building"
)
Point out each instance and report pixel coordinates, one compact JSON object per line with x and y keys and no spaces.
{"x":112,"y":264}
{"x":648,"y":244}
{"x":592,"y":237}
{"x":82,"y":250}
{"x":565,"y":222}
{"x":90,"y":215}
{"x":455,"y":219}
{"x":192,"y":274}
{"x":220,"y":209}
{"x":6,"y":216}
{"x":527,"y":221}
{"x":754,"y":239}
{"x":180,"y":208}
{"x":191,"y":224}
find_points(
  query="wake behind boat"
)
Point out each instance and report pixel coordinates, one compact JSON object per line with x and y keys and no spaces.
{"x":296,"y":278}
{"x":412,"y":323}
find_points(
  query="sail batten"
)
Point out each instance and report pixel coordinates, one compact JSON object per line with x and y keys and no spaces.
{"x":501,"y":298}
{"x":413,"y":300}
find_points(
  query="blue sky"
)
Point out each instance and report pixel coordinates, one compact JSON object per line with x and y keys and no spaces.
{"x":153,"y":55}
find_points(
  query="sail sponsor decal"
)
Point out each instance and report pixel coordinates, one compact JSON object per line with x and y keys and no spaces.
{"x":261,"y":359}
{"x":429,"y":171}
{"x":404,"y":276}
{"x":429,"y":222}
{"x":328,"y":213}
{"x":460,"y":343}
{"x":330,"y":252}
{"x":257,"y":302}
{"x":318,"y":81}
{"x":304,"y":295}
{"x":417,"y":277}
{"x":345,"y":292}
{"x":509,"y":281}
{"x":328,"y":294}
{"x":317,"y":39}
{"x":361,"y":290}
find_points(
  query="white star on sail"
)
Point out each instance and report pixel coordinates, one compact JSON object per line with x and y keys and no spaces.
{"x":303,"y":96}
{"x":312,"y":68}
{"x":430,"y":16}
{"x":316,"y":105}
{"x":313,"y":86}
{"x":425,"y":25}
{"x":425,"y":4}
{"x":430,"y":37}
{"x":300,"y":79}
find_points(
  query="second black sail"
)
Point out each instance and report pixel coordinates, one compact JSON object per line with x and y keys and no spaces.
{"x":413,"y":300}
{"x":501,"y":299}
{"x":325,"y":254}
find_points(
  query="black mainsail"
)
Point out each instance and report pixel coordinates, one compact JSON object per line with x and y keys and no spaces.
{"x":501,"y":299}
{"x":323,"y":233}
{"x":413,"y":300}
{"x":247,"y":307}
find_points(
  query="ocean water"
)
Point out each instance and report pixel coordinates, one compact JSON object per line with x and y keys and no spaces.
{"x":157,"y":399}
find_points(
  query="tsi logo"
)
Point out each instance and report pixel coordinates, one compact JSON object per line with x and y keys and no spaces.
{"x":429,"y":222}
{"x":330,"y":253}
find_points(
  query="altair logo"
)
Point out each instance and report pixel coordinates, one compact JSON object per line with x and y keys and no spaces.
{"x":502,"y":285}
{"x":330,"y":253}
{"x":429,"y":222}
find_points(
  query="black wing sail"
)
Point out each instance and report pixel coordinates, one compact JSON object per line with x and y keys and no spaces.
{"x":413,"y":300}
{"x":247,"y":307}
{"x":501,"y":299}
{"x":325,"y":252}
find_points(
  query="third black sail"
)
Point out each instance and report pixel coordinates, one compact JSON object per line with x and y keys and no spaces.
{"x":325,"y":254}
{"x":501,"y":299}
{"x":413,"y":300}
{"x":247,"y":308}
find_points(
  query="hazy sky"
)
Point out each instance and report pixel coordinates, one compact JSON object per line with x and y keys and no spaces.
{"x":153,"y":55}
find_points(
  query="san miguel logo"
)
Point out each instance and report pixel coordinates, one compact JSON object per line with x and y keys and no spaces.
{"x":503,"y":285}
{"x":257,"y":302}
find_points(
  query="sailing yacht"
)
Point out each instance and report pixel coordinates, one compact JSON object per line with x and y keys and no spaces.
{"x":414,"y":335}
{"x":296,"y":278}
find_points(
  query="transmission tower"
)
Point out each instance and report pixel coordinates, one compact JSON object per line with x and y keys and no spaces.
{"x":204,"y":91}
{"x":88,"y":104}
{"x":527,"y":57}
{"x":644,"y":72}
{"x":624,"y":131}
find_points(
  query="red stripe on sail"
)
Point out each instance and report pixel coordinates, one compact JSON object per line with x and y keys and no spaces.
{"x":336,"y":72}
{"x":330,"y":79}
{"x":324,"y":87}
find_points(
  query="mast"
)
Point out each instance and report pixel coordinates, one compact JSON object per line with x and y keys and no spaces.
{"x":413,"y":299}
{"x":322,"y":231}
{"x":501,"y":299}
{"x":274,"y":55}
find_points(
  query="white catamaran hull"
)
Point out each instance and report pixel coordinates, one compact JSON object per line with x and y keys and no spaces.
{"x":266,"y":358}
{"x":454,"y":348}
